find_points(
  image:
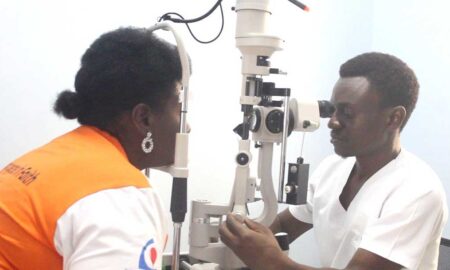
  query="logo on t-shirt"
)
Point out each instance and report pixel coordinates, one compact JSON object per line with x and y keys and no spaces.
{"x":24,"y":174}
{"x":149,"y":255}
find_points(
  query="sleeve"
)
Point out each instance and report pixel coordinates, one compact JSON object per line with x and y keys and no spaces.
{"x":121,"y":228}
{"x":406,"y":226}
{"x":304,"y":212}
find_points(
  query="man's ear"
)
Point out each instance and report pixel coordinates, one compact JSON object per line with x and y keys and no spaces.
{"x":396,"y":117}
{"x":142,"y":117}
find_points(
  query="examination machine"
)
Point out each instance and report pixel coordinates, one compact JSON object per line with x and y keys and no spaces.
{"x":269,"y":115}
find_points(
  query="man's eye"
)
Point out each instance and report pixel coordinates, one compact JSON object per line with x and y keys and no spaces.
{"x":346,"y":113}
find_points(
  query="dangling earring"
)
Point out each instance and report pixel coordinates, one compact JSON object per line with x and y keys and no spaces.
{"x":147,"y":143}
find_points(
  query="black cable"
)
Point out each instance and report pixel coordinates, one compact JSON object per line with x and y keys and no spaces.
{"x":164,"y":17}
{"x":214,"y":39}
{"x":167,"y":17}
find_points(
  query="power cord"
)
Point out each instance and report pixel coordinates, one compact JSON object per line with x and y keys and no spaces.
{"x":181,"y":19}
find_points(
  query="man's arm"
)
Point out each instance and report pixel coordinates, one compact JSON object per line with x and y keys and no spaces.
{"x":286,"y":222}
{"x":256,"y":246}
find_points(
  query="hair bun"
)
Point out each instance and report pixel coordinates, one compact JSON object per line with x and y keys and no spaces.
{"x":68,"y":104}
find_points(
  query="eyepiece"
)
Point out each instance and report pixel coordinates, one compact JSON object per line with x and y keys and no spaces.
{"x":326,"y":108}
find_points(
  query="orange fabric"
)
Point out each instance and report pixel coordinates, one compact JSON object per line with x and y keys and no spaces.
{"x":36,"y":189}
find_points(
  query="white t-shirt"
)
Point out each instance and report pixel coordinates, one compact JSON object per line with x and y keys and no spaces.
{"x":399,"y":213}
{"x":123,"y":228}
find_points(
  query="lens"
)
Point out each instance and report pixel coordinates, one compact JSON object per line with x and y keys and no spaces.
{"x":274,"y":121}
{"x":326,"y":108}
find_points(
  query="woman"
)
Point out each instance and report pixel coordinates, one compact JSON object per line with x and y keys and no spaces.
{"x":81,"y":201}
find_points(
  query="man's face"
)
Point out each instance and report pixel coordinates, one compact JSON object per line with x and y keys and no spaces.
{"x":358,"y":124}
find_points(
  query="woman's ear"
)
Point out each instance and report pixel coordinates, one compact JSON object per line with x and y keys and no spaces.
{"x":142,"y":117}
{"x":396,"y":117}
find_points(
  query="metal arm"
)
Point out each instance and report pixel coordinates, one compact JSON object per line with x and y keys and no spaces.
{"x":179,"y":169}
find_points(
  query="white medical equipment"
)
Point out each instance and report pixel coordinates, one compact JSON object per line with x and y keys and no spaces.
{"x":179,"y":170}
{"x":269,"y":115}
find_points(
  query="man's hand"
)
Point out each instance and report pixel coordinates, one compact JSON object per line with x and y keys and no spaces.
{"x":256,"y":246}
{"x":252,"y":242}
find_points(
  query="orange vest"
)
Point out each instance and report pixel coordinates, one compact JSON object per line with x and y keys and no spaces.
{"x":36,"y":190}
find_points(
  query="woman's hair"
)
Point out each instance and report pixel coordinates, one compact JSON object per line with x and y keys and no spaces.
{"x":121,"y":69}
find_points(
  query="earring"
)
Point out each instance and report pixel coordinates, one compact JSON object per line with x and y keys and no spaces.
{"x":147,"y":143}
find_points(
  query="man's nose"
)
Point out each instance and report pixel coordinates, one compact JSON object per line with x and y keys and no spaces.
{"x":333,"y":123}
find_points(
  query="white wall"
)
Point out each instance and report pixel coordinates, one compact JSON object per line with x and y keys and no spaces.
{"x":41,"y":43}
{"x":419,"y":33}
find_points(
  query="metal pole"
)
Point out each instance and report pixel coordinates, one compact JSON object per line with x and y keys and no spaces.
{"x":184,"y":110}
{"x":283,"y":150}
{"x":176,"y":246}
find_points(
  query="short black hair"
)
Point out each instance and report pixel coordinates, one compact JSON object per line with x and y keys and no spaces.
{"x":121,"y":69}
{"x":389,"y":76}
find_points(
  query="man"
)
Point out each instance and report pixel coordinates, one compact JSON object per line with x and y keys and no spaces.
{"x":374,"y":205}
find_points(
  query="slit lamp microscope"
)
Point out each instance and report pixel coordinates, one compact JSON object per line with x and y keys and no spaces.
{"x":269,"y":115}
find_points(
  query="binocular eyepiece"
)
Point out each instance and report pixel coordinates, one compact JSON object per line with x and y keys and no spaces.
{"x":326,"y":108}
{"x":267,"y":122}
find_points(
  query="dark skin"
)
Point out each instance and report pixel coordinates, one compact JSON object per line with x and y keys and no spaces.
{"x":360,"y":127}
{"x":131,"y":127}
